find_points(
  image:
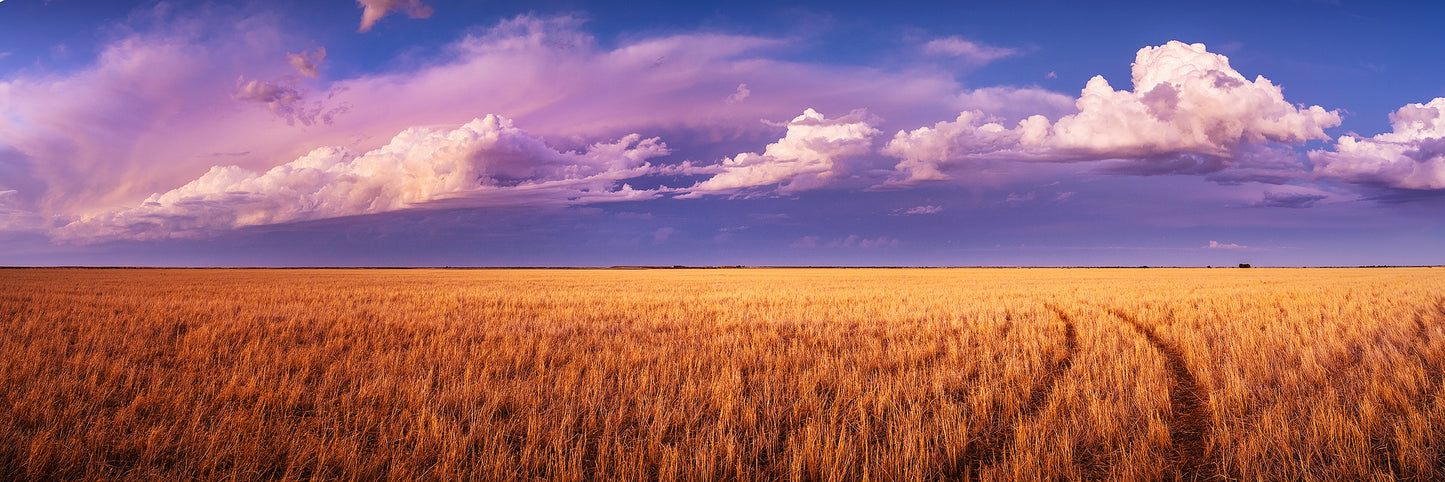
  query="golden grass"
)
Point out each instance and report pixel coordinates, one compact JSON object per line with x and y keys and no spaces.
{"x":800,"y":374}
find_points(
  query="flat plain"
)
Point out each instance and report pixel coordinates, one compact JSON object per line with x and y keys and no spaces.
{"x":736,"y":374}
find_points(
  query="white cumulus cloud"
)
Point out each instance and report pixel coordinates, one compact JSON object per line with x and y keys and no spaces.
{"x":485,"y":162}
{"x":928,"y":151}
{"x":1189,"y":112}
{"x":1186,"y":100}
{"x":1411,"y":156}
{"x":809,"y":156}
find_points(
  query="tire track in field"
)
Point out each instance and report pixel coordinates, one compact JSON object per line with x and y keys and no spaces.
{"x":1190,"y":428}
{"x":992,"y":449}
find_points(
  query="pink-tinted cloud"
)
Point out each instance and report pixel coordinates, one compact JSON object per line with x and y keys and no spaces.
{"x":1219,"y":245}
{"x":849,"y":241}
{"x":1012,"y":104}
{"x":924,"y":209}
{"x":739,"y":95}
{"x":13,"y":216}
{"x":161,"y":109}
{"x":287,"y":100}
{"x":856,"y":241}
{"x":805,"y":242}
{"x":1411,"y":156}
{"x":162,"y":105}
{"x":1189,"y":112}
{"x":307,"y":63}
{"x":969,"y":51}
{"x":550,"y":75}
{"x":373,"y":10}
{"x":486,"y":162}
{"x":1295,"y":200}
{"x":152,"y":105}
{"x":1015,"y":198}
{"x":810,"y":155}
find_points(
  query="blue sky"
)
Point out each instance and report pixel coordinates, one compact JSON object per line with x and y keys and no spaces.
{"x":437,"y":133}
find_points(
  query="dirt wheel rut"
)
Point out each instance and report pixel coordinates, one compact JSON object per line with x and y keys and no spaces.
{"x":1189,"y":430}
{"x":992,"y":450}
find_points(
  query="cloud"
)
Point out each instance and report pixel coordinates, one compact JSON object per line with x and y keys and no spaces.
{"x":552,"y":75}
{"x":855,"y":241}
{"x":13,"y":216}
{"x":809,"y":156}
{"x":1186,"y":100}
{"x":1289,"y":200}
{"x":374,"y":10}
{"x":1012,"y":104}
{"x":850,"y":241}
{"x":142,"y":112}
{"x":1410,"y":156}
{"x":971,"y":52}
{"x":1219,"y":245}
{"x":805,"y":242}
{"x":150,"y":111}
{"x":740,"y":94}
{"x":925,"y":209}
{"x":661,"y":235}
{"x":307,"y":64}
{"x":1015,"y":198}
{"x":1189,"y":113}
{"x":485,"y":162}
{"x":928,"y":151}
{"x":287,"y":101}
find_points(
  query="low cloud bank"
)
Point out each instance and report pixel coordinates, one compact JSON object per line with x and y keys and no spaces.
{"x":485,"y":162}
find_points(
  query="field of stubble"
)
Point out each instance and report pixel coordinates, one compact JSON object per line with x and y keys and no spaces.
{"x":797,"y":374}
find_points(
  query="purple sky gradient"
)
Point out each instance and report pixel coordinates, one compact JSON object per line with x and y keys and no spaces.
{"x":433,"y":133}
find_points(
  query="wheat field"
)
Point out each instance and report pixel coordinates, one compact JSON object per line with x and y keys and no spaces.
{"x":740,"y":374}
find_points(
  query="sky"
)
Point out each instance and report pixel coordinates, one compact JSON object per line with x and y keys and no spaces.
{"x":578,"y":133}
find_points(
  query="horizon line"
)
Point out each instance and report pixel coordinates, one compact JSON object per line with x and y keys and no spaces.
{"x":666,"y":267}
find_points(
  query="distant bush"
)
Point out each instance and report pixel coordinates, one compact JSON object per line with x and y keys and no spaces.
{"x":1244,"y":265}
